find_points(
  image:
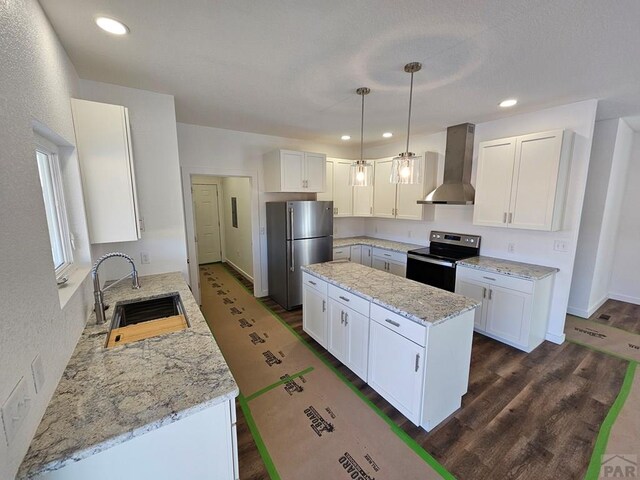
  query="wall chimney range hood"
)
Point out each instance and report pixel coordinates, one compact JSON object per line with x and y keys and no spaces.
{"x":456,"y":188}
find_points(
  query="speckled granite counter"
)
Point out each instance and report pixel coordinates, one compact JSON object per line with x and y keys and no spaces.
{"x":527,"y":271}
{"x":375,"y":242}
{"x":421,"y":303}
{"x":106,"y":397}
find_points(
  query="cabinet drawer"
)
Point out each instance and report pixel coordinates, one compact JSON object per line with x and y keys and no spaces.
{"x":497,"y":279}
{"x":351,"y":300}
{"x":390,"y":255}
{"x":314,"y":282}
{"x":407,"y":328}
{"x":342,"y":253}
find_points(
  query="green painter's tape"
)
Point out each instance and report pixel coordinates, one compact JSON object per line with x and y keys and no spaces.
{"x":593,"y":472}
{"x":277,"y":384}
{"x":410,"y":442}
{"x":264,"y":453}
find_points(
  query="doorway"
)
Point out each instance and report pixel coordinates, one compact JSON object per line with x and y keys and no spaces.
{"x":207,"y":217}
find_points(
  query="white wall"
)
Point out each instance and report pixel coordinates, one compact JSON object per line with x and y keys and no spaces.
{"x":625,"y":282}
{"x":37,"y":82}
{"x":157,"y":169}
{"x":610,"y":156}
{"x":530,"y":247}
{"x":238,"y":243}
{"x":215,"y":151}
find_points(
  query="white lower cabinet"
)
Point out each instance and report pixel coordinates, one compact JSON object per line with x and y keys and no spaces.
{"x":356,"y":253}
{"x":395,"y":370}
{"x":366,"y":255}
{"x":392,"y":262}
{"x":314,"y":315}
{"x":514,"y":311}
{"x":342,"y":253}
{"x":200,"y":446}
{"x":422,"y":370}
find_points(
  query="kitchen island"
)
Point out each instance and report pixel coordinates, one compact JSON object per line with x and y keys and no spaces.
{"x":409,"y":341}
{"x":157,"y":408}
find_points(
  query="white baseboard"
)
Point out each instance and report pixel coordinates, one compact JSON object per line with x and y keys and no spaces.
{"x":555,"y":338}
{"x":244,"y":274}
{"x":625,"y":298}
{"x":580,"y":312}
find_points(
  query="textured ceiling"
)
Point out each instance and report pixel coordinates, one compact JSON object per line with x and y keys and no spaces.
{"x":291,"y":68}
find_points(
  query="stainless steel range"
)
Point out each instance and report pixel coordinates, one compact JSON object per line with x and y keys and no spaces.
{"x":436,"y":264}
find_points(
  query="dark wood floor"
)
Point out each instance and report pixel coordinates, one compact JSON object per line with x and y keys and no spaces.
{"x":532,"y":416}
{"x":625,"y":316}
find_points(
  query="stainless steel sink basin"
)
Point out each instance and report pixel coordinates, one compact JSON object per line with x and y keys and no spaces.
{"x":137,"y":311}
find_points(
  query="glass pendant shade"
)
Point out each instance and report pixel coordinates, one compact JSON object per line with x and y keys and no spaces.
{"x":406,"y":168}
{"x":360,"y":174}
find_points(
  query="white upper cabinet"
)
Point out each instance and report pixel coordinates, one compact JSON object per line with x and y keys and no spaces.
{"x":363,"y":201}
{"x":292,"y":171}
{"x":522,"y":181}
{"x":342,"y":191}
{"x":106,"y":164}
{"x":327,"y":195}
{"x":400,"y":201}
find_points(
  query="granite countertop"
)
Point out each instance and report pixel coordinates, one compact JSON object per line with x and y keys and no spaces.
{"x":421,"y":303}
{"x":375,"y":242}
{"x":527,"y":271}
{"x":108,"y":396}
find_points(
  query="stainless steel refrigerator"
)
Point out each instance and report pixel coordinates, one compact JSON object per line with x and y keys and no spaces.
{"x":298,"y":233}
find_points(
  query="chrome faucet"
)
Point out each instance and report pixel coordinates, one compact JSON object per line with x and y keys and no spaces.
{"x":98,"y":293}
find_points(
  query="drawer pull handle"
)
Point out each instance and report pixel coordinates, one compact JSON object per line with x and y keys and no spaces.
{"x":489,"y":278}
{"x":312,"y":282}
{"x":395,"y":324}
{"x":386,"y":255}
{"x":417,"y":361}
{"x":343,"y":298}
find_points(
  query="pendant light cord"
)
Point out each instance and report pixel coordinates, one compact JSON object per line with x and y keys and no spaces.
{"x":362,"y":132}
{"x":409,"y":120}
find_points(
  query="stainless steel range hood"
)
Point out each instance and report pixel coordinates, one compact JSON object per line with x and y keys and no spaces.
{"x":456,"y":188}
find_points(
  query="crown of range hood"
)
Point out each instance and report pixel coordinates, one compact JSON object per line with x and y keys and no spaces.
{"x":456,"y":188}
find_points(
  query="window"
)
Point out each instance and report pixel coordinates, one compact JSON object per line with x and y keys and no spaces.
{"x":52,"y":191}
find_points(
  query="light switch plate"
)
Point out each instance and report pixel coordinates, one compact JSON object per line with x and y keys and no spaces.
{"x":144,"y":258}
{"x":561,"y":245}
{"x":37,"y":370}
{"x":15,"y":410}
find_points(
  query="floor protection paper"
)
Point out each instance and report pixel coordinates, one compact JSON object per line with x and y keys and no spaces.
{"x":312,"y":423}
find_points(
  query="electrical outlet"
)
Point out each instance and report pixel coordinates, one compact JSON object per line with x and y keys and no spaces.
{"x":144,"y":258}
{"x":511,"y":248}
{"x":37,"y":370}
{"x":262,"y":231}
{"x":15,"y":410}
{"x":141,"y":223}
{"x":561,"y":246}
{"x":410,"y":233}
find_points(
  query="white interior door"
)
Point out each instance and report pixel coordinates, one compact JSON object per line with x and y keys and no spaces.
{"x":205,"y":199}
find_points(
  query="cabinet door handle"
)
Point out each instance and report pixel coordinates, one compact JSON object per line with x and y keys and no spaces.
{"x":346,"y":319}
{"x":395,"y":324}
{"x":341,"y":316}
{"x":293,"y":264}
{"x":324,"y":306}
{"x":343,"y":298}
{"x":370,"y":210}
{"x":417,"y":361}
{"x":484,"y":292}
{"x":504,"y":217}
{"x":490,"y":293}
{"x":509,"y":220}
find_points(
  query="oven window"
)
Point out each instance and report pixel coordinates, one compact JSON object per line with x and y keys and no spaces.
{"x":431,"y":274}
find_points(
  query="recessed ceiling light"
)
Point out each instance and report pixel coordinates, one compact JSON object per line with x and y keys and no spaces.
{"x":508,"y":103}
{"x":345,"y":137}
{"x":387,"y":134}
{"x":112,"y":26}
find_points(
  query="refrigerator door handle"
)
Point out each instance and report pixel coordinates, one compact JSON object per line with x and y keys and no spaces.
{"x":293,"y":261}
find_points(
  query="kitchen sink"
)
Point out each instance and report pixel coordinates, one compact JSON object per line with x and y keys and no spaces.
{"x":135,"y":320}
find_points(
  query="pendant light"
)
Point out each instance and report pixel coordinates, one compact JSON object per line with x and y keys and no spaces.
{"x":406,"y":167}
{"x":360,"y":172}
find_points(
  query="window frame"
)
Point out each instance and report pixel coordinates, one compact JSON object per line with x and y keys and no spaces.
{"x":46,"y":147}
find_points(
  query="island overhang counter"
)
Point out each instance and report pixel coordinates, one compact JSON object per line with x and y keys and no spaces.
{"x":409,"y":341}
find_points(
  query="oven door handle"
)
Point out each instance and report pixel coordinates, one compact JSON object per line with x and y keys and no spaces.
{"x":431,"y":260}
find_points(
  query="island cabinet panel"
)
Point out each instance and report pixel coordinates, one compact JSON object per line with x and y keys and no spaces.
{"x":395,"y":370}
{"x":314,"y":315}
{"x":200,"y":446}
{"x":349,"y":337}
